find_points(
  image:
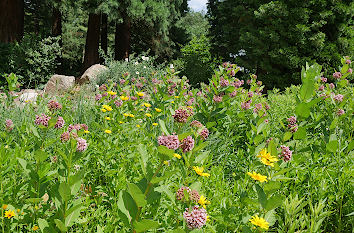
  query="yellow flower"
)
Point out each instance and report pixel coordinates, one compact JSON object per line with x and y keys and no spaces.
{"x":131,"y":115}
{"x":108,"y":131}
{"x":166,"y":163}
{"x":107,"y":118}
{"x":177,"y":156}
{"x":203,"y":201}
{"x":147,"y":105}
{"x":260,"y":222}
{"x":148,"y":115}
{"x":199,"y":171}
{"x":141,"y":94}
{"x":158,"y":110}
{"x":35,"y":228}
{"x":122,"y":97}
{"x":257,"y":176}
{"x":86,"y":131}
{"x":138,"y":126}
{"x":121,"y":122}
{"x":266,"y":158}
{"x":107,"y":107}
{"x":36,"y":207}
{"x":176,"y":97}
{"x":103,"y":110}
{"x":7,"y":146}
{"x":111,"y":92}
{"x":141,"y":110}
{"x":126,"y":114}
{"x":155,"y":124}
{"x":18,"y":210}
{"x":191,"y":107}
{"x":4,"y":206}
{"x":9,"y":214}
{"x":172,"y":102}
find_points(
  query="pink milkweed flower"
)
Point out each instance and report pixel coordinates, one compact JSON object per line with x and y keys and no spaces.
{"x":348,"y":61}
{"x":338,"y":98}
{"x":323,"y":79}
{"x":118,"y":103}
{"x":331,"y":86}
{"x":84,"y":126}
{"x":65,"y":137}
{"x":232,"y":72}
{"x":249,"y":81}
{"x":321,"y":88}
{"x":134,"y":98}
{"x":350,"y":70}
{"x":104,"y":94}
{"x":53,"y":105}
{"x":81,"y":144}
{"x":286,"y":153}
{"x":340,"y":112}
{"x":9,"y":125}
{"x":204,"y":133}
{"x":170,"y":141}
{"x":337,"y":75}
{"x":233,"y":94}
{"x":187,"y":144}
{"x":250,"y":94}
{"x":103,"y":87}
{"x":42,"y":120}
{"x":122,"y":81}
{"x":196,"y":123}
{"x":246,"y":105}
{"x":224,"y":82}
{"x":257,"y":107}
{"x":259,"y":83}
{"x":180,"y":192}
{"x":139,"y":85}
{"x":182,"y":114}
{"x":195,"y":218}
{"x":217,"y":99}
{"x":60,"y":123}
{"x":194,"y":196}
{"x":98,"y":97}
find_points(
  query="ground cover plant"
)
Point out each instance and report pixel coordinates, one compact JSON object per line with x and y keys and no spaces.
{"x":152,"y":154}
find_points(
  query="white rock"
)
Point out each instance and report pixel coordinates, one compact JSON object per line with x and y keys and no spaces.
{"x":58,"y":84}
{"x":90,"y":75}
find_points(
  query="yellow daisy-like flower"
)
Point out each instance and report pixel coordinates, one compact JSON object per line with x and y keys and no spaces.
{"x":103,"y":110}
{"x":141,"y":94}
{"x":86,"y":131}
{"x":4,"y":206}
{"x":9,"y":214}
{"x":108,"y":131}
{"x":266,"y":158}
{"x":166,"y":163}
{"x":111,"y":92}
{"x":121,"y":122}
{"x":107,"y":118}
{"x":155,"y":124}
{"x":131,"y":115}
{"x":191,"y":107}
{"x":107,"y":107}
{"x":148,"y":115}
{"x":122,"y":97}
{"x":257,"y":176}
{"x":158,"y":110}
{"x":176,"y":97}
{"x":203,"y":201}
{"x":141,"y":110}
{"x":35,"y":228}
{"x":260,"y":222}
{"x":147,"y":105}
{"x":126,"y":114}
{"x":172,"y":102}
{"x":138,"y":126}
{"x":177,"y":156}
{"x":199,"y":171}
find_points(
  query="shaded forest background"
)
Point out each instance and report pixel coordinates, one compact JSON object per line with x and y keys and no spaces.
{"x":270,"y":38}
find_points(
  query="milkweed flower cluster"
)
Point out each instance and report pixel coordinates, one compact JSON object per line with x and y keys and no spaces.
{"x":204,"y":133}
{"x":81,"y":145}
{"x":246,"y":105}
{"x":118,"y":103}
{"x":217,"y":98}
{"x":196,"y":217}
{"x":224,"y":82}
{"x":182,"y":114}
{"x":170,"y":141}
{"x":286,"y":153}
{"x":60,"y":123}
{"x":42,"y":120}
{"x":77,"y":127}
{"x":9,"y":125}
{"x":257,"y":108}
{"x":98,"y":97}
{"x":292,"y":124}
{"x":323,"y":79}
{"x":340,"y":112}
{"x":53,"y":105}
{"x":193,"y":194}
{"x":187,"y":144}
{"x":337,"y":75}
{"x":331,"y":86}
{"x":65,"y":137}
{"x":338,"y":98}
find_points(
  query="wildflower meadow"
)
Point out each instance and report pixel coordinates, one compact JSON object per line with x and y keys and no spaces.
{"x":144,"y":151}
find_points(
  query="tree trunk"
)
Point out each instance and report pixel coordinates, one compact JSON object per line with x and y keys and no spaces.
{"x":11,"y":20}
{"x":122,"y":39}
{"x":92,"y":41}
{"x":56,"y":24}
{"x":104,"y":32}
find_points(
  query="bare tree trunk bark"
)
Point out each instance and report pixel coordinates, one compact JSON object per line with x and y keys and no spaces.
{"x":11,"y":20}
{"x":122,"y":39}
{"x":92,"y":41}
{"x":104,"y":32}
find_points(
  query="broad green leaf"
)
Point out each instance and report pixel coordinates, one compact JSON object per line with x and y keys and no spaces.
{"x":262,"y":198}
{"x":52,"y":122}
{"x":72,"y":215}
{"x":64,"y":191}
{"x":184,"y":135}
{"x":34,"y":131}
{"x":246,"y":229}
{"x":163,"y":127}
{"x":272,"y":186}
{"x":144,"y":156}
{"x":165,"y":151}
{"x":136,"y":194}
{"x":130,"y":204}
{"x":274,"y":201}
{"x":272,"y":149}
{"x":303,"y":110}
{"x":43,"y":224}
{"x":287,"y":136}
{"x":202,"y":157}
{"x":145,"y":224}
{"x":300,"y":133}
{"x":261,"y":127}
{"x":332,"y":146}
{"x":60,"y":225}
{"x":40,"y":155}
{"x":270,"y":217}
{"x":123,"y":212}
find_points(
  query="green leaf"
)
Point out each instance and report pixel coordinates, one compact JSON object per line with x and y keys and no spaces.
{"x":272,"y":186}
{"x":246,"y":229}
{"x":72,"y":215}
{"x":123,"y":212}
{"x":40,"y":155}
{"x":261,"y":127}
{"x":34,"y":200}
{"x":262,"y":198}
{"x":274,"y":201}
{"x":99,"y":229}
{"x":136,"y":194}
{"x":184,"y":135}
{"x":200,"y":159}
{"x":43,"y":224}
{"x":144,"y":156}
{"x":163,"y":127}
{"x":300,"y":133}
{"x":287,"y":136}
{"x":34,"y":131}
{"x":165,"y":151}
{"x":167,"y":174}
{"x":272,"y":148}
{"x":270,"y":217}
{"x":130,"y":204}
{"x":145,"y":224}
{"x":332,"y":146}
{"x":64,"y":191}
{"x":60,"y":225}
{"x":52,"y":122}
{"x":303,"y":110}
